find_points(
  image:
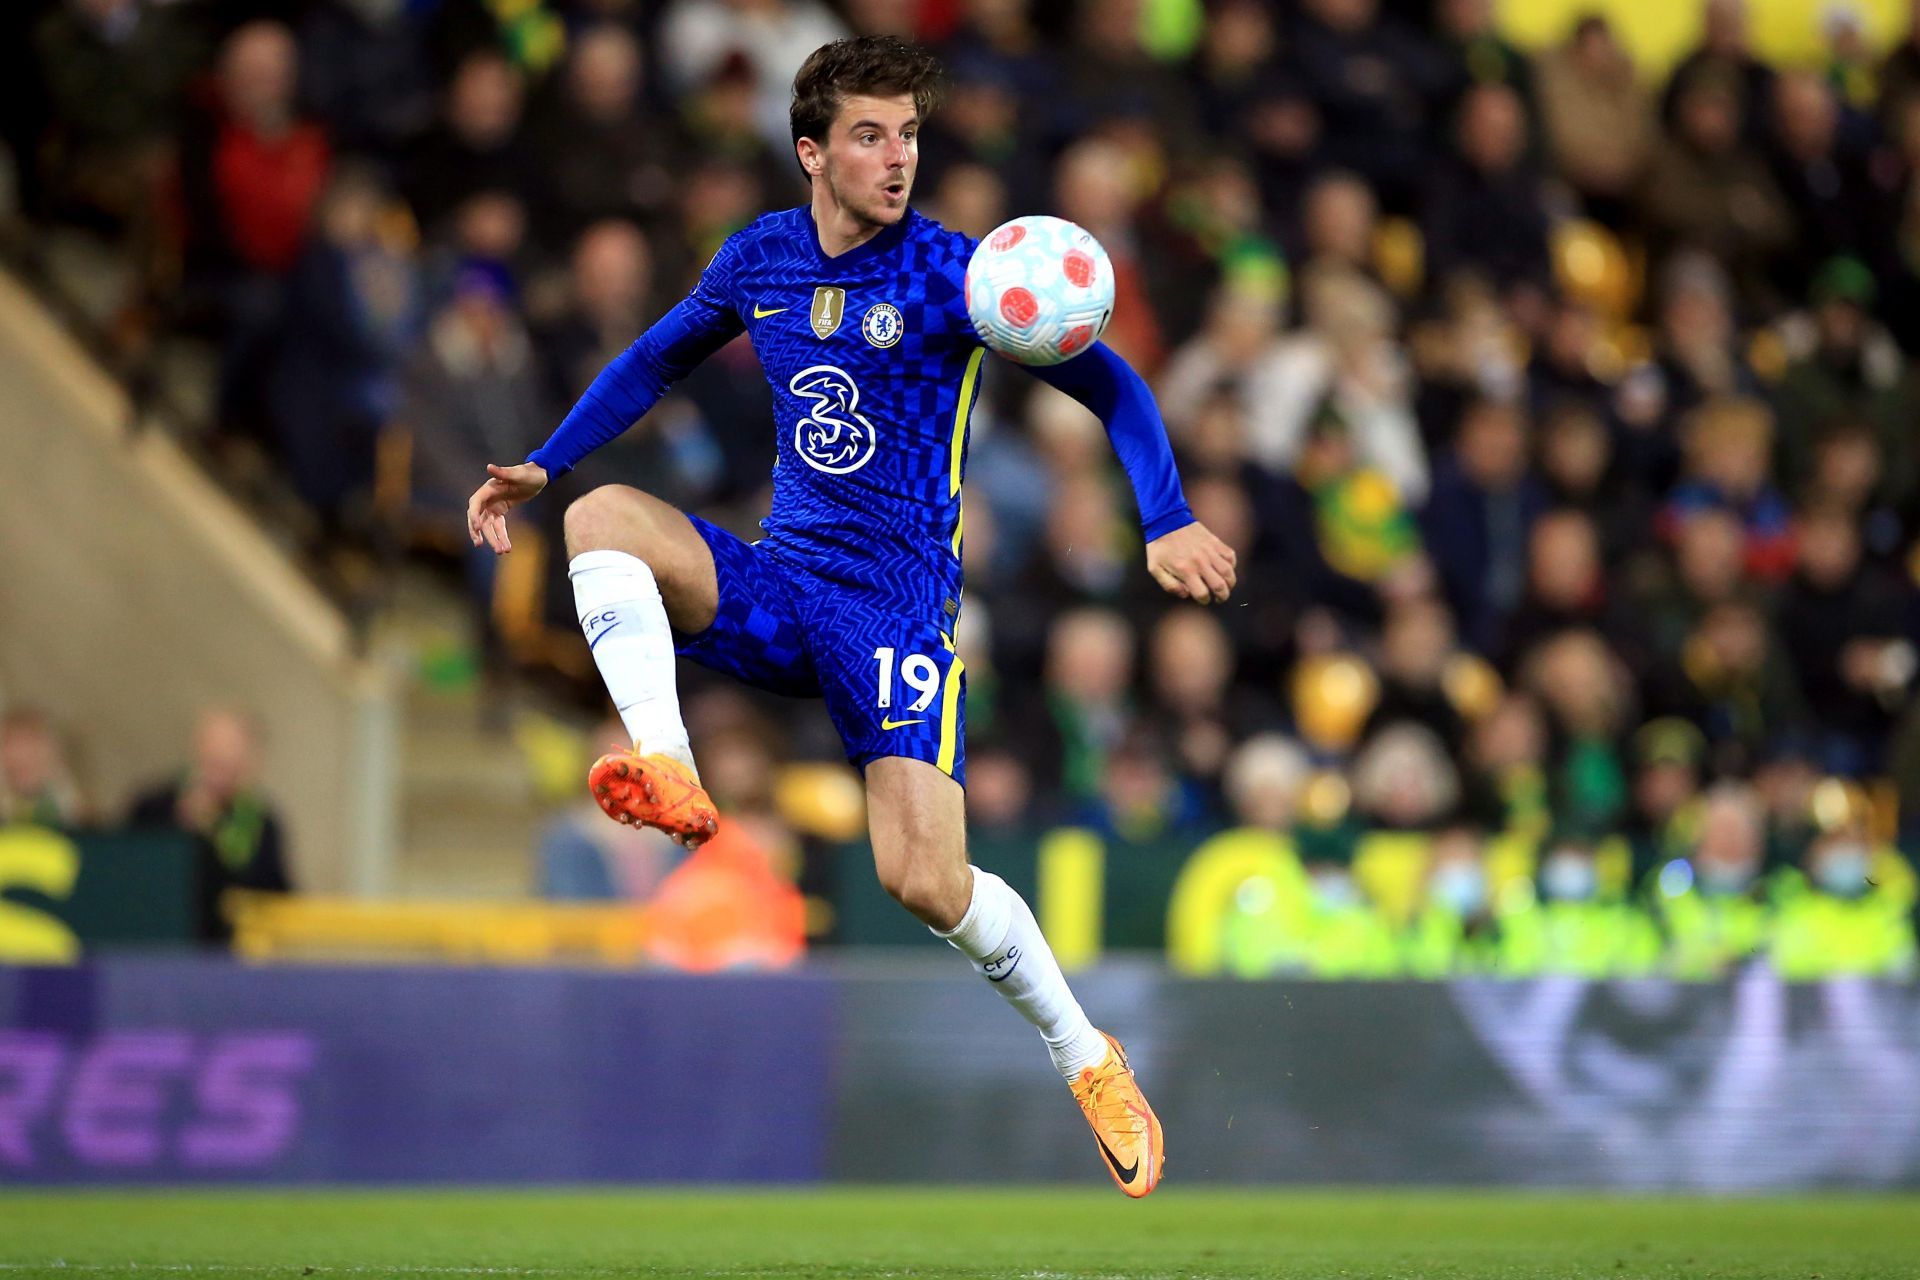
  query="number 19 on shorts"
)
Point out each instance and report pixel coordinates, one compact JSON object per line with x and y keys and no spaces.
{"x":917,"y":672}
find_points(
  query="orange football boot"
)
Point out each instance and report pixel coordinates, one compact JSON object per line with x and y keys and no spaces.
{"x":653,"y":791}
{"x":1123,"y":1124}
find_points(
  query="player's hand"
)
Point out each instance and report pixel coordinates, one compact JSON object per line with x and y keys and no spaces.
{"x":487,"y":509}
{"x":1193,"y":564}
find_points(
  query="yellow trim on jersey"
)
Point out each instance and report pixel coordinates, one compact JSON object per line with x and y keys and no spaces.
{"x":950,"y":716}
{"x":960,"y":420}
{"x":959,"y":526}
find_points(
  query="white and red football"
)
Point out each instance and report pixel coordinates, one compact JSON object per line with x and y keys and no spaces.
{"x":1039,"y":290}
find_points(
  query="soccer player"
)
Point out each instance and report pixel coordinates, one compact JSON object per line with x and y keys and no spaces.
{"x":854,"y":305}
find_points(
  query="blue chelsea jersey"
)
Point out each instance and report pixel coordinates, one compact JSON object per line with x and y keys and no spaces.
{"x":874,"y":369}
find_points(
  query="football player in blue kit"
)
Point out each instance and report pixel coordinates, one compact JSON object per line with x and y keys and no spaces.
{"x":855,"y":306}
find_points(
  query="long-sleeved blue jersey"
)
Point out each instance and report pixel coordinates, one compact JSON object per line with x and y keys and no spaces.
{"x":874,"y":368}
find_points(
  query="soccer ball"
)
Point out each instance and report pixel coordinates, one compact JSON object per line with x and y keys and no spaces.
{"x":1039,"y":290}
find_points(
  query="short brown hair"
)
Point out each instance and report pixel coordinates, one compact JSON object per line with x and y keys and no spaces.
{"x":877,"y":66}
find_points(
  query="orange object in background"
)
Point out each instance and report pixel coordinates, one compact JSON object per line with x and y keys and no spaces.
{"x":725,"y":908}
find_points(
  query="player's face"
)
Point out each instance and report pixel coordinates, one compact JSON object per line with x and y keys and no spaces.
{"x":871,"y":154}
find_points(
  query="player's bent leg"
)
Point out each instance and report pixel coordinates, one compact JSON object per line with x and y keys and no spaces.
{"x":638,"y":568}
{"x":616,"y":517}
{"x":917,"y":818}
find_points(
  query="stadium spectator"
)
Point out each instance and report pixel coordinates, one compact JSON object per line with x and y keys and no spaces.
{"x":1472,"y":52}
{"x":610,"y":299}
{"x":1264,"y":781}
{"x":1577,"y":924}
{"x":114,"y":74}
{"x":1238,"y":52}
{"x":1844,"y":365}
{"x":1708,"y":190}
{"x":598,"y":160}
{"x":364,"y":71}
{"x":1588,"y":698}
{"x":470,"y":392}
{"x":1486,"y":210}
{"x":1663,"y":821}
{"x":252,"y":172}
{"x":217,"y":799}
{"x":352,"y":311}
{"x":1848,"y":628}
{"x":1371,"y":83}
{"x":1339,"y":222}
{"x":1190,"y":670}
{"x":37,"y":783}
{"x":971,"y":199}
{"x":980,"y":123}
{"x":1710,"y":900}
{"x":1579,"y":469}
{"x":1456,"y":928}
{"x":1096,"y":187}
{"x":1566,"y":585}
{"x":1111,"y":75}
{"x":1087,"y":705}
{"x":1404,"y":780}
{"x":773,"y":37}
{"x":1734,"y":681}
{"x":1144,"y":797}
{"x":1565,"y":367}
{"x":1845,"y":909}
{"x":1342,"y":362}
{"x":478,"y":144}
{"x":1709,"y":569}
{"x":1416,"y":652}
{"x":1599,"y":124}
{"x":1728,"y":443}
{"x":1476,"y":524}
{"x":1824,"y":179}
{"x":1899,"y":74}
{"x":1847,"y":472}
{"x":1725,"y":56}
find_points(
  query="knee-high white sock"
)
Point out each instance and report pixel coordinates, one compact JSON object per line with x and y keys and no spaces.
{"x":1001,"y":937}
{"x":626,"y":626}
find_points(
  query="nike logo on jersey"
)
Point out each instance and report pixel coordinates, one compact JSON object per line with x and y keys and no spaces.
{"x":761,"y":313}
{"x":1124,"y":1172}
{"x":891,"y":723}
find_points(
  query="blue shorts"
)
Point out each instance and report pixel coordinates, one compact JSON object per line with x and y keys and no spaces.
{"x":892,"y":683}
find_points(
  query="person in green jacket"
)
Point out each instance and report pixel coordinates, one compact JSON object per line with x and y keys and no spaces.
{"x":1321,"y":927}
{"x":1571,"y":926}
{"x":1456,"y":930}
{"x":1847,"y":912}
{"x":1712,"y":903}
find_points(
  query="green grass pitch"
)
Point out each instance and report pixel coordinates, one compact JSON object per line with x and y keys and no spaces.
{"x":1039,"y":1234}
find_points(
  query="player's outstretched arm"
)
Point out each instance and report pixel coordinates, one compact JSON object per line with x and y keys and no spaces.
{"x":487,"y":508}
{"x":1182,"y":554}
{"x":630,"y":385}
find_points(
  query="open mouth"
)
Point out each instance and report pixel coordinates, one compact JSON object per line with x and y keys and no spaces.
{"x":895,"y":190}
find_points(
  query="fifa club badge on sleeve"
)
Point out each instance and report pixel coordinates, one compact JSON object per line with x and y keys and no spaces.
{"x":882,"y":325}
{"x":829,"y":304}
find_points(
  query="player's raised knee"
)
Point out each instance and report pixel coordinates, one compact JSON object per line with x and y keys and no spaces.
{"x":602,"y":518}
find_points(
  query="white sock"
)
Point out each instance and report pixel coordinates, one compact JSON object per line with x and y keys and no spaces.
{"x":626,"y":626}
{"x":1001,"y":937}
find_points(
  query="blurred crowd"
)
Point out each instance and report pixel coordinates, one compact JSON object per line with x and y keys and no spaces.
{"x":1562,"y":418}
{"x":214,"y":799}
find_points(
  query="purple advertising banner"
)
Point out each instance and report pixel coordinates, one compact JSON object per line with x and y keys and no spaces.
{"x":177,"y":1069}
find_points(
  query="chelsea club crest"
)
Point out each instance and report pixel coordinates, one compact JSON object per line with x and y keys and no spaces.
{"x":882,"y":325}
